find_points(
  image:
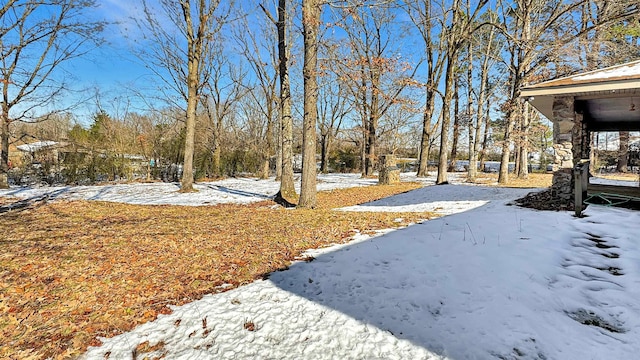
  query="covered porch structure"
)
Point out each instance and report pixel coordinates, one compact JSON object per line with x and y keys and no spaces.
{"x":578,"y":105}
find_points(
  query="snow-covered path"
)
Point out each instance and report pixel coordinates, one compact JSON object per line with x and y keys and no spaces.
{"x":493,"y":282}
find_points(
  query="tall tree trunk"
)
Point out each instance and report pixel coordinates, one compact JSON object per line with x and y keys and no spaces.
{"x":485,"y":136}
{"x":453,"y":43}
{"x":266,"y":156}
{"x":456,"y":127}
{"x":189,"y":144}
{"x":363,"y":150}
{"x":517,"y":147}
{"x":279,"y":149}
{"x":512,"y":119}
{"x":325,"y":140}
{"x":425,"y":140}
{"x":4,"y":147}
{"x":423,"y":22}
{"x":446,"y":119}
{"x":474,"y":123}
{"x":216,"y":163}
{"x":287,"y":190}
{"x":374,"y":114}
{"x":310,"y":23}
{"x":503,"y":174}
{"x":194,"y":44}
{"x":521,"y":59}
{"x":365,"y":126}
{"x":473,"y":138}
{"x":623,"y":152}
{"x":480,"y":119}
{"x":371,"y":144}
{"x":593,"y":153}
{"x":523,"y":171}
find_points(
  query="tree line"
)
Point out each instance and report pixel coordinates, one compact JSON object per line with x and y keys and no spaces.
{"x":246,"y":84}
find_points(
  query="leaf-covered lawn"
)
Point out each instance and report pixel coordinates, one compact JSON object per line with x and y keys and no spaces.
{"x":73,"y":271}
{"x":534,"y":180}
{"x":620,"y":176}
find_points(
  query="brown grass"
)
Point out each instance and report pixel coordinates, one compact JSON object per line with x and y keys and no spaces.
{"x":534,"y":180}
{"x":620,"y":176}
{"x":74,"y":270}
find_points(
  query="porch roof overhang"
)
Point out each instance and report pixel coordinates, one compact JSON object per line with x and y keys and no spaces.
{"x":608,"y":98}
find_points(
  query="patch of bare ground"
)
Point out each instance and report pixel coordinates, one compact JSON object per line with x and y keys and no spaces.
{"x":6,"y":200}
{"x":533,"y":180}
{"x":619,"y":176}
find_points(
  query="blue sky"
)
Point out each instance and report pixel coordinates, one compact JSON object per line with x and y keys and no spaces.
{"x":115,"y":74}
{"x":113,"y":68}
{"x":112,"y":78}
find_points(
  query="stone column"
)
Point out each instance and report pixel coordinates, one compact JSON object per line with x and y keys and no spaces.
{"x":564,"y":118}
{"x":389,"y":173}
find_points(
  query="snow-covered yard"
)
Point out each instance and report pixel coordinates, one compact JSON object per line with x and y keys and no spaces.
{"x":228,"y":191}
{"x":489,"y":281}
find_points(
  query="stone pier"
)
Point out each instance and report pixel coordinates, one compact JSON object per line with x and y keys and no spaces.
{"x":568,"y":133}
{"x":389,"y":173}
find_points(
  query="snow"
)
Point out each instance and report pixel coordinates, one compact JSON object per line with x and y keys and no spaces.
{"x":233,"y":190}
{"x":490,"y":281}
{"x":632,"y":69}
{"x":35,"y":146}
{"x":448,"y":200}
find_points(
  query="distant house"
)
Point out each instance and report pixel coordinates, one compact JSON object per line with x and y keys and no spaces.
{"x":37,"y":146}
{"x":42,"y":151}
{"x":74,"y":162}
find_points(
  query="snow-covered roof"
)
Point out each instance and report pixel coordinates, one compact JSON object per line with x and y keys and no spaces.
{"x":133,"y":157}
{"x":36,"y":146}
{"x":624,"y":71}
{"x":622,"y":75}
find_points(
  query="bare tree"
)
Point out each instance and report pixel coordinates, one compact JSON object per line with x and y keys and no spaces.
{"x":615,"y":42}
{"x":261,"y":54}
{"x":469,"y":112}
{"x":422,"y":14}
{"x":457,"y":34}
{"x":487,"y":48}
{"x":147,"y":138}
{"x":376,"y":72}
{"x":179,"y":36}
{"x":457,"y":119}
{"x":287,"y":193}
{"x":54,"y":128}
{"x":332,"y":110}
{"x":218,"y":97}
{"x":36,"y":39}
{"x":397,"y":134}
{"x":310,"y":24}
